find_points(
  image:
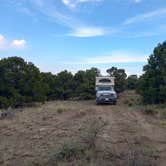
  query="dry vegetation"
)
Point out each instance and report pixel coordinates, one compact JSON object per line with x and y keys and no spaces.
{"x":80,"y":133}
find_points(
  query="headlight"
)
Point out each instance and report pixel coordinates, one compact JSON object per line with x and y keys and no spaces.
{"x":115,"y":95}
{"x":98,"y":95}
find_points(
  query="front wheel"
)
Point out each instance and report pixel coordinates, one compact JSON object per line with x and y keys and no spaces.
{"x":97,"y":103}
{"x":115,"y":102}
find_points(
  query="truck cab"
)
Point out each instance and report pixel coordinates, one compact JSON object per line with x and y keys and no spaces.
{"x":105,"y":92}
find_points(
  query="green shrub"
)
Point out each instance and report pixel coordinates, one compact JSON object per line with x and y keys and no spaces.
{"x":60,"y":110}
{"x":4,"y":102}
{"x":163,"y":114}
{"x":67,"y":152}
{"x":126,"y":101}
{"x":142,"y":156}
{"x":130,"y":104}
{"x":150,"y":111}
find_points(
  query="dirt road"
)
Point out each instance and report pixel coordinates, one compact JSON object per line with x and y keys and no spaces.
{"x":110,"y":135}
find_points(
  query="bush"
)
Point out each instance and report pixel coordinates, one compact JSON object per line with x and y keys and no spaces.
{"x":4,"y":102}
{"x":150,"y":111}
{"x":144,"y":156}
{"x":60,"y":110}
{"x":7,"y":114}
{"x":68,"y":151}
{"x":163,"y":114}
{"x":130,"y":104}
{"x":126,"y":101}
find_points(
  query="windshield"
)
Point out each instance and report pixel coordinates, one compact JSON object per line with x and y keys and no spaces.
{"x":105,"y":88}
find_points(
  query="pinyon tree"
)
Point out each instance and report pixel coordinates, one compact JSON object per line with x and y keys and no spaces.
{"x":152,"y":84}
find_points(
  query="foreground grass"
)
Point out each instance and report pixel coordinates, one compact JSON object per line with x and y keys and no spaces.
{"x":79,"y":133}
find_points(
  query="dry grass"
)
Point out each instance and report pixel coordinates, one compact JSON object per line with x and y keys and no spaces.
{"x":82,"y":133}
{"x":130,"y":98}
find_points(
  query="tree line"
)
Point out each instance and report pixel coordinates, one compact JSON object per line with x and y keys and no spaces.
{"x":22,"y":82}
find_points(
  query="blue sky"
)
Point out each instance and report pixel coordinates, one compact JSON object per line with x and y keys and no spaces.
{"x":80,"y":34}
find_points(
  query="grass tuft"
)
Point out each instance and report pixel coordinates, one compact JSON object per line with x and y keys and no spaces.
{"x":61,"y":110}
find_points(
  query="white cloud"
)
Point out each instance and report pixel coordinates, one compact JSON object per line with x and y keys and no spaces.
{"x":77,"y":28}
{"x":137,"y":1}
{"x":74,"y":3}
{"x":5,"y":44}
{"x":67,"y":3}
{"x":50,"y":10}
{"x":119,"y":57}
{"x":88,"y":32}
{"x":18,"y":43}
{"x":143,"y":17}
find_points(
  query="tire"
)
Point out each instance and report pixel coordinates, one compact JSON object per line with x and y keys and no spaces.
{"x":115,"y":102}
{"x":97,"y":103}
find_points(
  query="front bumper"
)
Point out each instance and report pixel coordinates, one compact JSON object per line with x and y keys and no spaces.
{"x":105,"y":99}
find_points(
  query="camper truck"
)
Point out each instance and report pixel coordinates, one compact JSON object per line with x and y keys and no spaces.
{"x":105,"y":92}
